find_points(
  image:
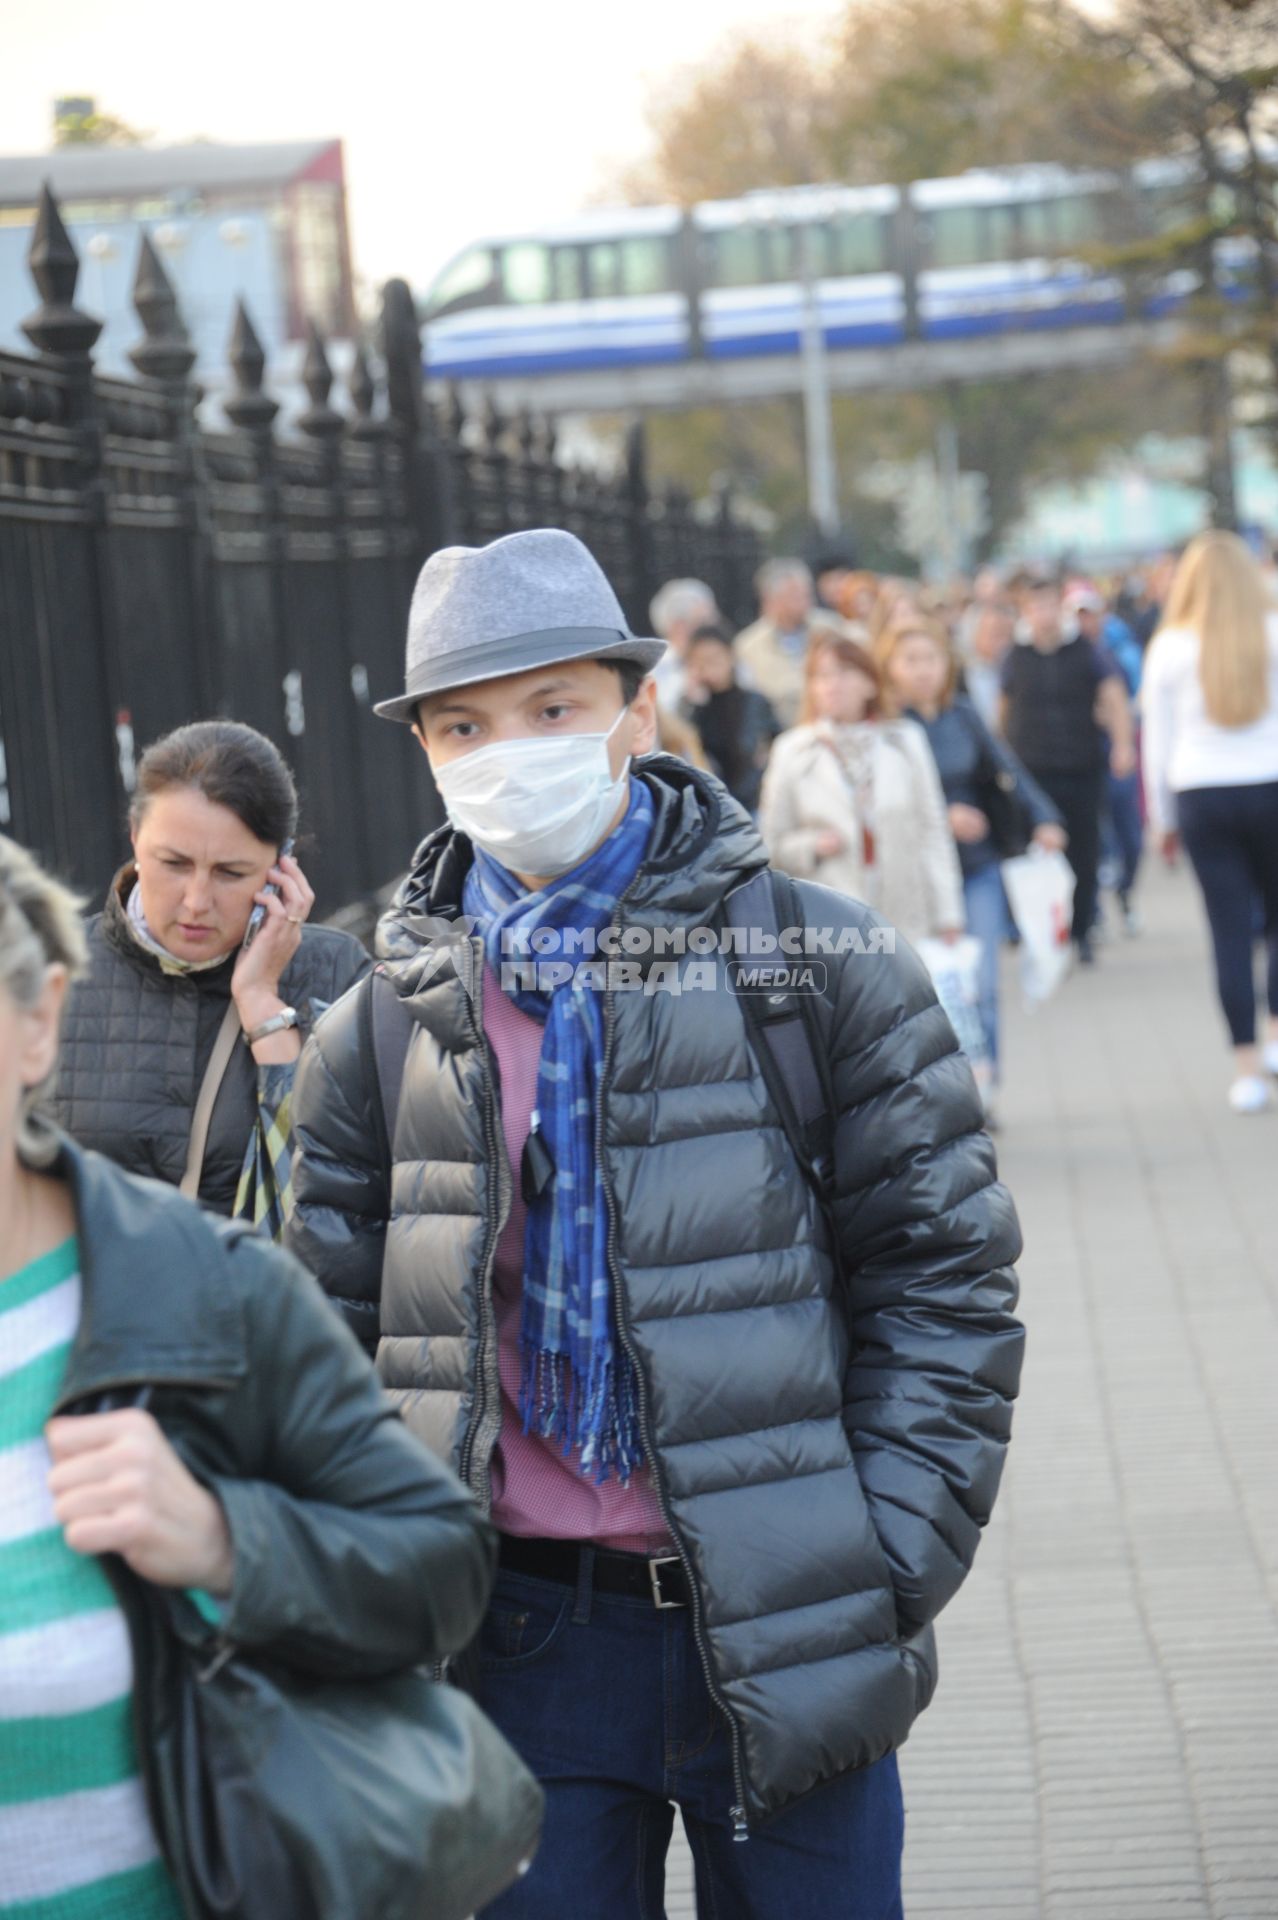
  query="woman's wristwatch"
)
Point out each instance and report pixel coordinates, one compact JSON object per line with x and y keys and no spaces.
{"x":278,"y":1022}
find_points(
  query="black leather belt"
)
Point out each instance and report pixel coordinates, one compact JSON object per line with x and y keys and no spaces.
{"x":659,"y":1577}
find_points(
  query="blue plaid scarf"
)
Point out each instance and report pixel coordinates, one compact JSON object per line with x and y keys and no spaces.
{"x":578,"y":1386}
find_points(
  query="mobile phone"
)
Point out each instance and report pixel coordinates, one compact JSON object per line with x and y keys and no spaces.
{"x":258,"y":914}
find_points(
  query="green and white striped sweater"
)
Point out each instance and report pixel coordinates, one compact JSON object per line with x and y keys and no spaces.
{"x":76,"y":1842}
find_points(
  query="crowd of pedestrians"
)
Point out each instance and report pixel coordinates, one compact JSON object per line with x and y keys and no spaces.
{"x":689,"y":1306}
{"x":1032,"y":691}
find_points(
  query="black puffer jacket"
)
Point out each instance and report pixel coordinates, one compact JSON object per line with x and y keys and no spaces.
{"x":825,"y":1456}
{"x":136,"y":1041}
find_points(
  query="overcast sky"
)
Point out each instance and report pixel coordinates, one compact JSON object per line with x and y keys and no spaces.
{"x":460,"y":117}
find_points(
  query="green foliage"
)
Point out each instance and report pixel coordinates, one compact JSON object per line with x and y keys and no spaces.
{"x":96,"y":130}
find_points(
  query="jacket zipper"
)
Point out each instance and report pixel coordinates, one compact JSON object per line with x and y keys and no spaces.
{"x":491,"y":1144}
{"x":737,"y":1813}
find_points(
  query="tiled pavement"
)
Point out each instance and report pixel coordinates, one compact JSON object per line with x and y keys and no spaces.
{"x":1104,"y":1741}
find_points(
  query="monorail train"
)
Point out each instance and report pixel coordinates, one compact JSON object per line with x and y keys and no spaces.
{"x":980,"y":253}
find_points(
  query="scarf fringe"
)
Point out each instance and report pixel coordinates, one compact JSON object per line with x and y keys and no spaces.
{"x":593,"y":1411}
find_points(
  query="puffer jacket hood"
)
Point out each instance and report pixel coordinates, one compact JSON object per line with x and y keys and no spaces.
{"x":824,"y":1391}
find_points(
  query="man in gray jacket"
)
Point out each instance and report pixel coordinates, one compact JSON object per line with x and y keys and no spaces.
{"x":738,"y":1427}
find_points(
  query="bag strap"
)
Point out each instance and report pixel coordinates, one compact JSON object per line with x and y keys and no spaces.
{"x":214,"y":1074}
{"x":390,"y":1029}
{"x":782,"y":1035}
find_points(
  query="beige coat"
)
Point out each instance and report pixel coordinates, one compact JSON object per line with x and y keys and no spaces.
{"x":916,"y":882}
{"x":772,"y":671}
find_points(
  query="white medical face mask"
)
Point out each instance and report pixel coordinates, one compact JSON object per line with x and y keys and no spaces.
{"x":538,"y":805}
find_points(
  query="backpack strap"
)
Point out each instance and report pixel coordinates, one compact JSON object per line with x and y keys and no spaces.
{"x":388,"y":1030}
{"x":782,"y":1030}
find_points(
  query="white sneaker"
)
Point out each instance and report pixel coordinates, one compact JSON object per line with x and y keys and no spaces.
{"x":1270,"y":1057}
{"x":1250,"y":1094}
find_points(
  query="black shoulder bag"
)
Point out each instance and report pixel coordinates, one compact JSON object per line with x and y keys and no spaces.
{"x":282,"y":1795}
{"x":1002,"y":797}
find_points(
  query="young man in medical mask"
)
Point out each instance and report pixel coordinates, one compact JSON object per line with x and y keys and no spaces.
{"x":736,"y":1470}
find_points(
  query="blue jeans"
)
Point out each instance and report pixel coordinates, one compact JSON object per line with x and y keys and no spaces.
{"x":988,"y":919}
{"x":1122,"y":834}
{"x":606,"y":1699}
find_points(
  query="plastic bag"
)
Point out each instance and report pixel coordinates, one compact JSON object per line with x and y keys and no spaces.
{"x":1040,"y":893}
{"x":955,"y":971}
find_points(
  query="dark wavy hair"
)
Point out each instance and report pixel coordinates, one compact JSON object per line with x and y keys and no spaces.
{"x":230,"y":764}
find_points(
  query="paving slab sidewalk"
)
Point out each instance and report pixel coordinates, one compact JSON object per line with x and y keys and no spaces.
{"x":1104,"y":1741}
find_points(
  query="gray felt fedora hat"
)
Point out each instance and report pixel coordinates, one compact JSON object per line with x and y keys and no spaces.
{"x":529,"y":600}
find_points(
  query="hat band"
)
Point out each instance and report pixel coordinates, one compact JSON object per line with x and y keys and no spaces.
{"x":515,"y":654}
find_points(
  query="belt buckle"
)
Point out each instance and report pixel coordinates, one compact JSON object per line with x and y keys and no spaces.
{"x":655,"y":1564}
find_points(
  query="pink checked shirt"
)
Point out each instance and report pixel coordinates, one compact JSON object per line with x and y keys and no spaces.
{"x":537,"y":1490}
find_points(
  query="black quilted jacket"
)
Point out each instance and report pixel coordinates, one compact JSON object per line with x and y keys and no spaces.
{"x":826,"y":1452}
{"x":136,"y":1042}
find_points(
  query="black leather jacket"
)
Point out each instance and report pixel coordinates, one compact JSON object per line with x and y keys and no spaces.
{"x":826,"y":1451}
{"x":356,"y":1552}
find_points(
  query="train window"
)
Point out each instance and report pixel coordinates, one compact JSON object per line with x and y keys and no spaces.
{"x":471,"y":274}
{"x":1038,"y":227}
{"x":645,"y":264}
{"x":1055,"y":226}
{"x":526,"y":274}
{"x":1077,"y":224}
{"x":779,"y":256}
{"x":811,"y":247}
{"x":629,"y":267}
{"x":858,"y":244}
{"x":568,"y":273}
{"x":957,"y":240}
{"x":604,"y":267}
{"x":734,"y":257}
{"x":1000,"y":240}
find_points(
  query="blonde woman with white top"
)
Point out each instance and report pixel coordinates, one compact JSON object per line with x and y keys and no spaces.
{"x":1210,"y":749}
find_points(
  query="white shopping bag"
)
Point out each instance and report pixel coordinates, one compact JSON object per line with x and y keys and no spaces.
{"x":955,"y":971}
{"x":1040,"y":893}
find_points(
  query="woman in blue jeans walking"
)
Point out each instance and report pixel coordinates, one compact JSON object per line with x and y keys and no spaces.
{"x":977,"y":771}
{"x":1210,"y":746}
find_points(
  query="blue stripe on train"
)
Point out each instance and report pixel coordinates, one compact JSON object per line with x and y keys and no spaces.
{"x":785,"y":340}
{"x":1075,"y":313}
{"x":491,"y":366}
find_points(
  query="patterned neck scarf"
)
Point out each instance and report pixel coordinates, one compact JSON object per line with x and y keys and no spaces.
{"x":169,"y":962}
{"x":578,"y":1385}
{"x":855,"y":748}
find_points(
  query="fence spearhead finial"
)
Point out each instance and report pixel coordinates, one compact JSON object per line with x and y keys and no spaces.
{"x":319,"y":420}
{"x":494,"y":424}
{"x":362,"y":389}
{"x":166,"y":352}
{"x":57,"y":326}
{"x":248,"y":406}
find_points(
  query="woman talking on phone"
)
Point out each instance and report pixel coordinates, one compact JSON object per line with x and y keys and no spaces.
{"x":180,"y":1044}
